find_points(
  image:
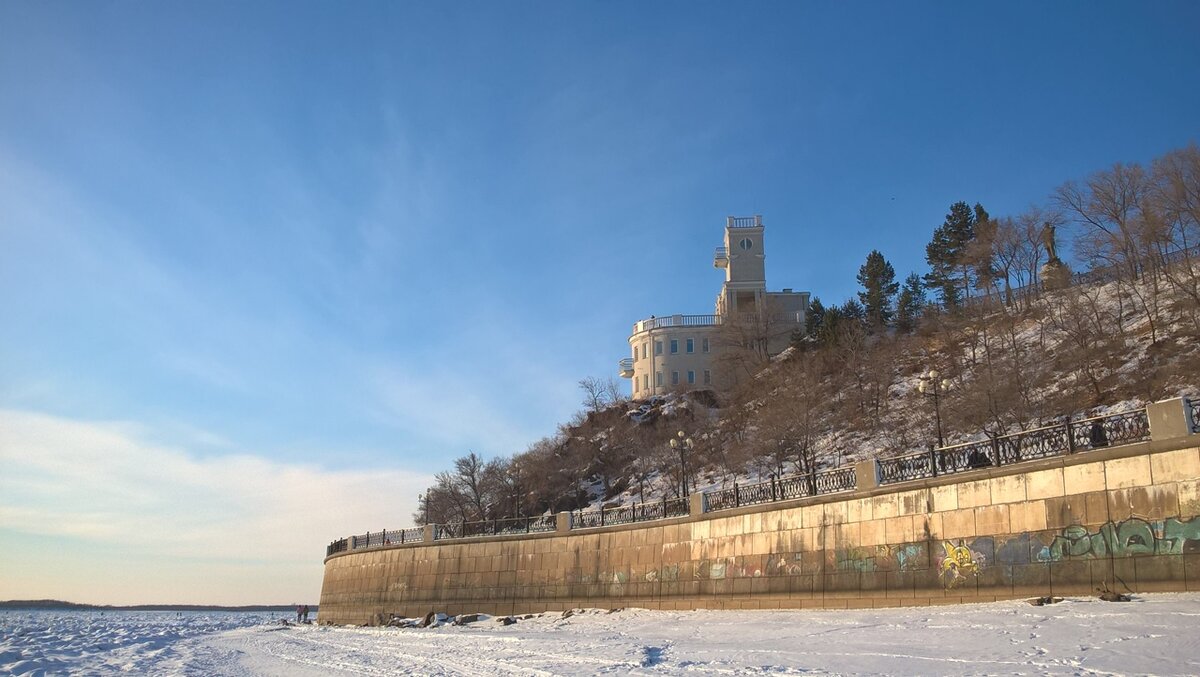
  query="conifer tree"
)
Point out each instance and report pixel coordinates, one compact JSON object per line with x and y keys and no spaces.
{"x":853,"y":310}
{"x":949,"y":269}
{"x":814,"y":317}
{"x":878,"y":280}
{"x":909,"y":303}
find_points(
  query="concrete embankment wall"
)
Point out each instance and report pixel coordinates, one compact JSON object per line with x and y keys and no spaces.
{"x":1125,"y":517}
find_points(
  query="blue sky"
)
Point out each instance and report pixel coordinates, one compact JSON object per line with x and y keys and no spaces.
{"x":295,"y":257}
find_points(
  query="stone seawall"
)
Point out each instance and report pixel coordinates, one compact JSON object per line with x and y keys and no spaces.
{"x":1124,"y":517}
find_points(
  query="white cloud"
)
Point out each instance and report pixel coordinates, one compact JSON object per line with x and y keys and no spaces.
{"x":176,"y":526}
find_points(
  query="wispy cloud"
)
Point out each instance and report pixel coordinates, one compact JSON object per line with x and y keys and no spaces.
{"x":234,"y":528}
{"x":450,"y":410}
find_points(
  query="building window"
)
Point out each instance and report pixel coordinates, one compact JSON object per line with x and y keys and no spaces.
{"x":746,"y":243}
{"x":674,"y":378}
{"x":635,"y":352}
{"x":704,"y":345}
{"x":674,"y":346}
{"x":658,"y":378}
{"x":658,"y":347}
{"x":707,"y":377}
{"x":691,"y":377}
{"x":645,"y":350}
{"x":645,"y":381}
{"x":691,"y":345}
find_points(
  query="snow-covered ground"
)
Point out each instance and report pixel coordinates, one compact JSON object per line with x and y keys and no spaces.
{"x":94,"y":642}
{"x":1155,"y":634}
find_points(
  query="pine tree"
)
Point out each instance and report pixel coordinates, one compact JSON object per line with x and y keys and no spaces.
{"x":814,"y":317}
{"x":909,"y":303}
{"x":853,"y":310}
{"x":949,"y":269}
{"x":878,"y":280}
{"x":826,"y":331}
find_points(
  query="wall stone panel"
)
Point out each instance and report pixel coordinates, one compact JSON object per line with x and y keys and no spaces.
{"x":1124,"y":517}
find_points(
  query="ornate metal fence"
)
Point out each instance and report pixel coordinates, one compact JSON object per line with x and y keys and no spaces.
{"x":448,"y":530}
{"x":626,"y":514}
{"x":340,"y":545}
{"x":1193,"y":409}
{"x":1027,"y":445}
{"x":371,"y":540}
{"x":1044,"y":442}
{"x":783,"y":489}
{"x":510,"y":526}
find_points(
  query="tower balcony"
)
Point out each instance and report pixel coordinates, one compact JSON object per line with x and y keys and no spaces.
{"x":626,"y":366}
{"x":744,"y":221}
{"x":721,"y":258}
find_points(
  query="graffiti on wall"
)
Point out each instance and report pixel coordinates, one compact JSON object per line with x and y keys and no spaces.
{"x":960,"y":564}
{"x":1127,"y":538}
{"x":880,"y":558}
{"x":1133,"y":536}
{"x":956,"y":563}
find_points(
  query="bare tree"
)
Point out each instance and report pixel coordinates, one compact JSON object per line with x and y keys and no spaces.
{"x":1176,"y":202}
{"x":599,"y":393}
{"x":748,"y":339}
{"x":1119,"y":232}
{"x":1030,"y":252}
{"x":1076,"y":316}
{"x":1109,"y":207}
{"x":791,"y":418}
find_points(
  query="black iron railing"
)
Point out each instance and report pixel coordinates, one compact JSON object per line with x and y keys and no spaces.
{"x":376,"y":539}
{"x":626,"y":514}
{"x":507,"y":527}
{"x":783,"y":489}
{"x":1192,"y":407}
{"x":1044,"y":442}
{"x":449,"y":530}
{"x":1027,"y":445}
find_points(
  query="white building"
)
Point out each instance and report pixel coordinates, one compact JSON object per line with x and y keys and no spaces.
{"x":683,"y":352}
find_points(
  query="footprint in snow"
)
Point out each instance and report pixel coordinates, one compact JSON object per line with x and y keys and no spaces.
{"x":653,"y":655}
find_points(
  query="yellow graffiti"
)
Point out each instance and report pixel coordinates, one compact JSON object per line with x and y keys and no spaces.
{"x":958,"y":565}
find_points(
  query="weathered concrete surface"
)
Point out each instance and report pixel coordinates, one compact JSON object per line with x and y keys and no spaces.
{"x":1124,"y":517}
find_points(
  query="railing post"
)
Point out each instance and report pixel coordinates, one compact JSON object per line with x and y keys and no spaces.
{"x":737,"y":498}
{"x":1169,"y":419}
{"x":773,"y":499}
{"x":562,"y":522}
{"x":1070,"y":437}
{"x":601,"y":514}
{"x":696,"y":504}
{"x":933,"y":461}
{"x":866,"y":475}
{"x":402,"y":532}
{"x":430,"y":533}
{"x":996,"y":451}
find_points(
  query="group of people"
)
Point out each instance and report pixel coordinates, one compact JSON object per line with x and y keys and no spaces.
{"x":301,"y":613}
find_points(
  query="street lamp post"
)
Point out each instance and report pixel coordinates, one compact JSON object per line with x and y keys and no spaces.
{"x":683,"y":445}
{"x":930,"y":386}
